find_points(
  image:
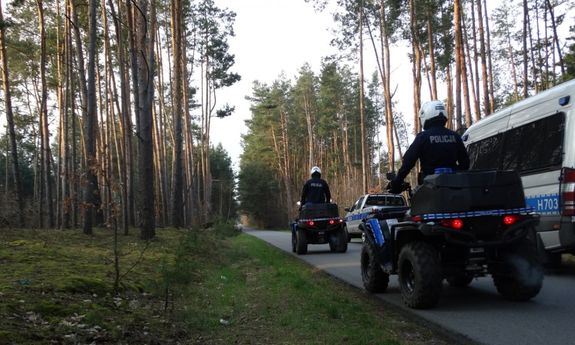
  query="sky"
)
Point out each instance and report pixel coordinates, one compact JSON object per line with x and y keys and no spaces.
{"x":275,"y":36}
{"x":272,"y":36}
{"x":279,"y":36}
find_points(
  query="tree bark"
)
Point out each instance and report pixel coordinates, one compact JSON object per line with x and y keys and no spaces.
{"x":364,"y":168}
{"x":474,"y":71}
{"x":386,"y":80}
{"x":125,"y":124}
{"x":134,"y":54}
{"x":458,"y":58}
{"x":525,"y":55}
{"x":486,"y":104}
{"x":145,"y":24}
{"x":430,"y":38}
{"x":177,"y":110}
{"x":555,"y":36}
{"x":90,"y":125}
{"x":46,"y":152}
{"x":11,"y":127}
{"x":490,"y":61}
{"x":416,"y":66}
{"x":474,"y":79}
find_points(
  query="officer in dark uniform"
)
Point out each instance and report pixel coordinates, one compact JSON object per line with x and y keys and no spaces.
{"x":315,"y":190}
{"x":435,"y":147}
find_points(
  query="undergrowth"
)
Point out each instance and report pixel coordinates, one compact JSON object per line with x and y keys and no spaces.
{"x":209,"y":286}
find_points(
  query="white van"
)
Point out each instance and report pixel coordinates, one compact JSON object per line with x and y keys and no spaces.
{"x":536,"y":137}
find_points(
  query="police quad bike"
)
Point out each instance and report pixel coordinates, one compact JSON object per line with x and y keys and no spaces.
{"x":319,"y":224}
{"x":460,"y":226}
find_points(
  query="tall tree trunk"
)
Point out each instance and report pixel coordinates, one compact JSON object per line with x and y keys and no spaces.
{"x":468,"y":61}
{"x":287,"y":165}
{"x":535,"y":77}
{"x":309,"y":125}
{"x":490,"y":60}
{"x":486,"y":105}
{"x":474,"y":71}
{"x":160,"y":138}
{"x":90,"y":125}
{"x":525,"y":55}
{"x":430,"y":38}
{"x":145,"y":20}
{"x":555,"y":36}
{"x":46,"y":157}
{"x":11,"y":127}
{"x":386,"y":77}
{"x":449,"y":81}
{"x":458,"y":64}
{"x":64,"y":103}
{"x":416,"y":66}
{"x":513,"y":68}
{"x":364,"y":168}
{"x":125,"y":123}
{"x":177,"y":110}
{"x":134,"y":54}
{"x":542,"y":77}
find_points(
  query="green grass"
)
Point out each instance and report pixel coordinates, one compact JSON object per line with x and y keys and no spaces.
{"x":188,"y":287}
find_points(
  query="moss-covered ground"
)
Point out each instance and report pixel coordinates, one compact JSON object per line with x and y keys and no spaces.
{"x":185,"y":287}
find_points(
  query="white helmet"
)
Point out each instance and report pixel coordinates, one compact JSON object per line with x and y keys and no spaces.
{"x":430,"y":110}
{"x":315,"y":169}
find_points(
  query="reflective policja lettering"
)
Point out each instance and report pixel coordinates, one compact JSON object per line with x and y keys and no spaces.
{"x":442,"y":139}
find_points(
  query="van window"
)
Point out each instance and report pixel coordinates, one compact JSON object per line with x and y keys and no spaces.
{"x":536,"y":145}
{"x":488,"y":152}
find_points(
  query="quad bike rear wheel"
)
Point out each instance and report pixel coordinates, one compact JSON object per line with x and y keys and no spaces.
{"x":419,"y":274}
{"x":519,"y":276}
{"x":338,"y":241}
{"x":301,"y":241}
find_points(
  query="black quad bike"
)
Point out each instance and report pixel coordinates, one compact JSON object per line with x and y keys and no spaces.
{"x":319,"y":224}
{"x":460,"y":226}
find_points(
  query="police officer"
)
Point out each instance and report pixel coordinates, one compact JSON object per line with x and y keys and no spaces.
{"x":435,"y":147}
{"x":315,"y":190}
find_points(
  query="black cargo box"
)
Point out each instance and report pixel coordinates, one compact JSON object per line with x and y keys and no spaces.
{"x":469,"y":191}
{"x":311,"y":211}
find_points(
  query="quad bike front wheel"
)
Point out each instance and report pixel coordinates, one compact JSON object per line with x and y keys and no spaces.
{"x":419,"y":273}
{"x":375,"y":280}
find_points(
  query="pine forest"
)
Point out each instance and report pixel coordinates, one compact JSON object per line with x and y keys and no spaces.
{"x":107,"y":106}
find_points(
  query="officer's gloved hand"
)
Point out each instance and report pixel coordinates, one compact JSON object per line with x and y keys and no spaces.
{"x":395,"y":186}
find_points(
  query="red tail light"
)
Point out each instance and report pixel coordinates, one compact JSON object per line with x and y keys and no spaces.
{"x":311,"y":223}
{"x":456,"y":223}
{"x":510,"y":219}
{"x":568,"y":192}
{"x":417,"y":218}
{"x":331,"y":221}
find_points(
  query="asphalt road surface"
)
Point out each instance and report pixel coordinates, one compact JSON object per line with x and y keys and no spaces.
{"x":477,"y":313}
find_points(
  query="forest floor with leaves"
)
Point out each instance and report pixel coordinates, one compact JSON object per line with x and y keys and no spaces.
{"x":213,"y":286}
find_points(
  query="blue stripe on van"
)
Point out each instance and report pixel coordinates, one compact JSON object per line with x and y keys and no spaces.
{"x":544,"y":204}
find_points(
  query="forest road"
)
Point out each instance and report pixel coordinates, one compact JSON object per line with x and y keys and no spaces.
{"x":477,"y":313}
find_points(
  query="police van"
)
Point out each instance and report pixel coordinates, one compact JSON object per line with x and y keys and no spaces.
{"x":536,"y":137}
